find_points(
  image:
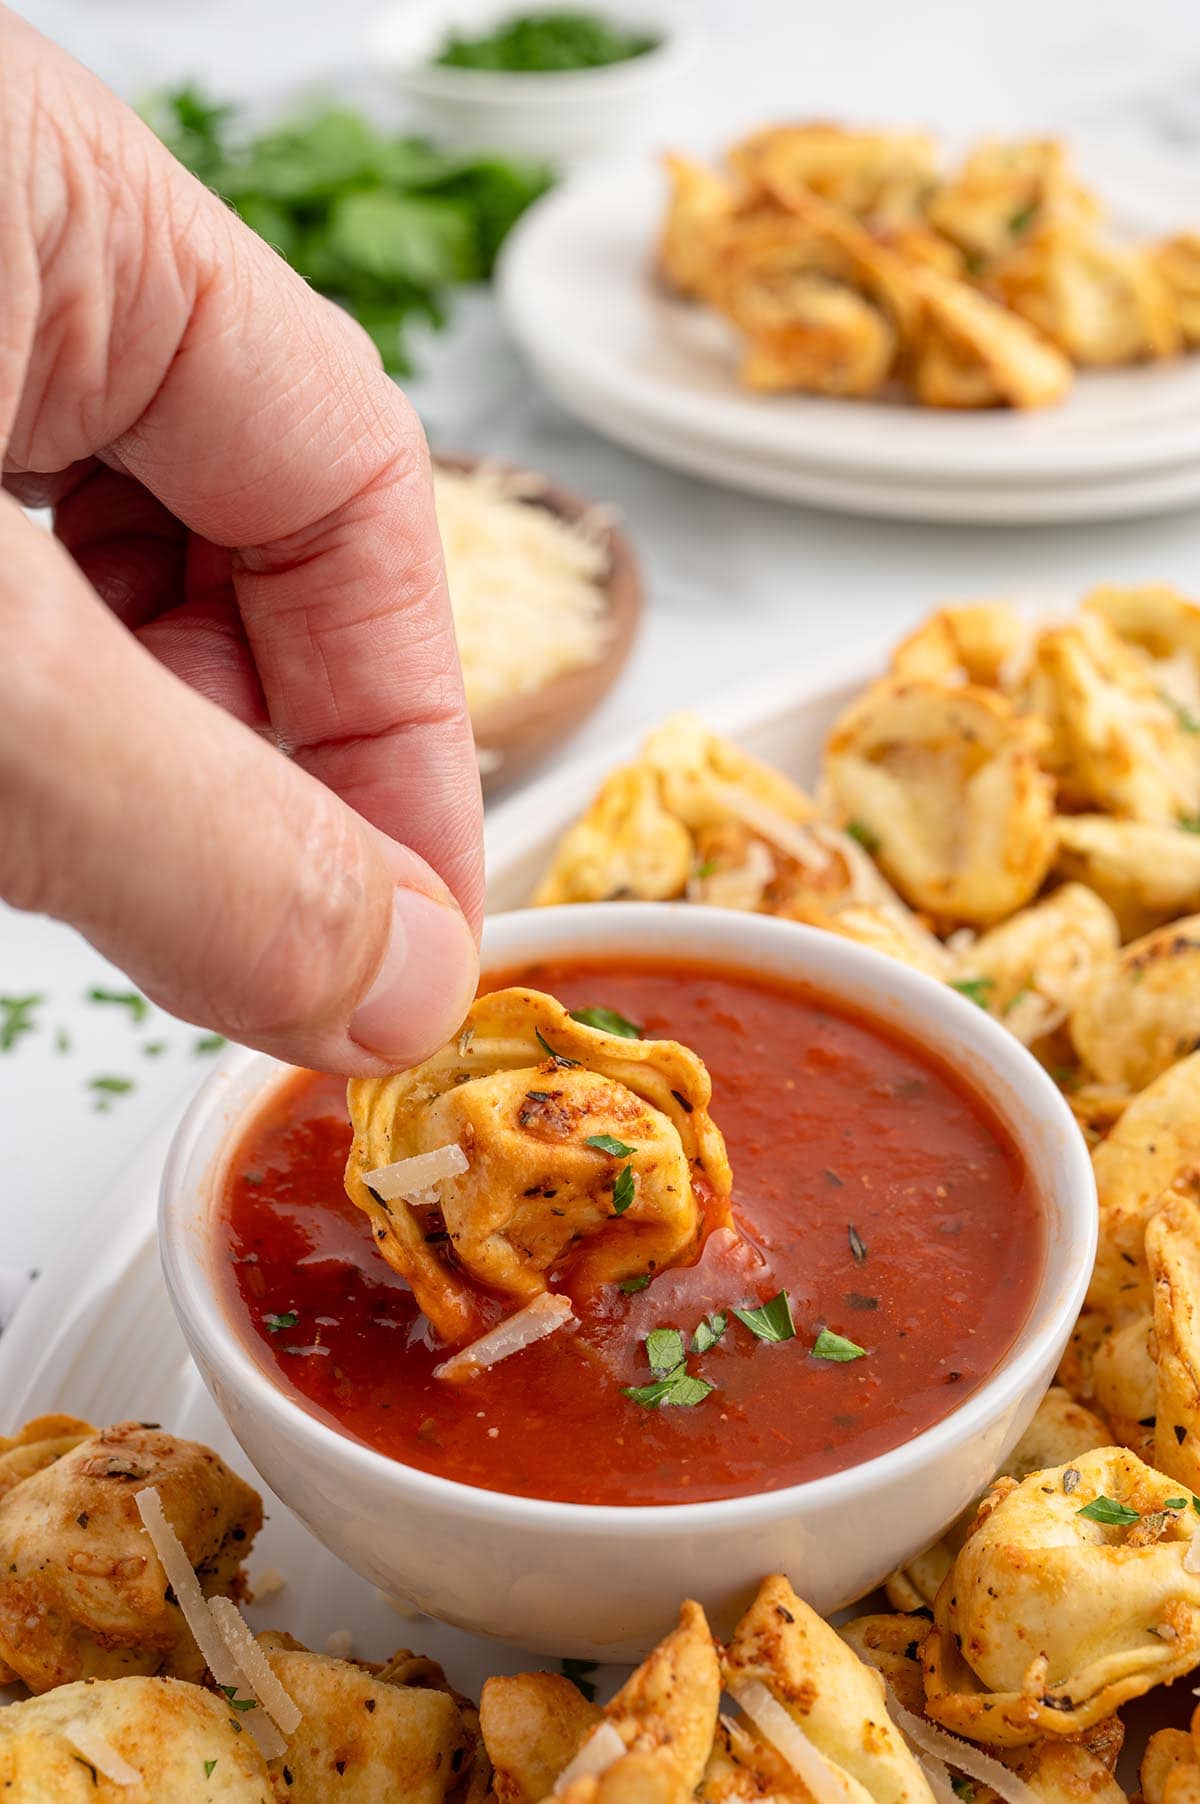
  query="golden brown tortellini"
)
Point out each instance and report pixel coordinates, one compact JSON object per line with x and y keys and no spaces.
{"x":972,"y":353}
{"x":1179,"y":266}
{"x":363,"y":1738}
{"x":667,"y":1708}
{"x":1031,"y":969}
{"x":1101,"y":304}
{"x":1060,"y":1431}
{"x":187,"y":1744}
{"x":983,"y":642}
{"x":946,"y":782}
{"x":37,"y":1445}
{"x":627,"y":846}
{"x":836,"y":1700}
{"x":1140,"y":1013}
{"x":1003,"y":190}
{"x":1156,"y":1139}
{"x":526,"y":1092}
{"x":82,"y":1593}
{"x":1147,"y":874}
{"x":1170,"y":1771}
{"x":892,"y":1645}
{"x":869,"y":173}
{"x":1173,"y":1256}
{"x":700,"y":203}
{"x":705,"y":779}
{"x":1050,"y":1618}
{"x":1118,"y":740}
{"x":533,"y":1724}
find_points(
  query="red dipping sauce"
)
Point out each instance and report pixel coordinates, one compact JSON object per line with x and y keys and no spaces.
{"x":870,"y":1182}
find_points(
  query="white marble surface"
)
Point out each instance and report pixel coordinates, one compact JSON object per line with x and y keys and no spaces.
{"x":735,"y":584}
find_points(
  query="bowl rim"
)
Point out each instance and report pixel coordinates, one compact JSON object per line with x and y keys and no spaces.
{"x":204,"y":1320}
{"x":419,"y":72}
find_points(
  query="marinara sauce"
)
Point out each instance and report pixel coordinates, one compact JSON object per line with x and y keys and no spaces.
{"x":870,"y":1183}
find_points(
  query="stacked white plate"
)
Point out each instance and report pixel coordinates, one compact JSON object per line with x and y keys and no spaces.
{"x":659,"y":375}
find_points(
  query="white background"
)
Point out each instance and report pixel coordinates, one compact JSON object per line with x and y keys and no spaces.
{"x":736,"y":585}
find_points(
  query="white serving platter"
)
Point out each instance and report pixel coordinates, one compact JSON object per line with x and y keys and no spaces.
{"x":579,"y":294}
{"x":96,"y":1335}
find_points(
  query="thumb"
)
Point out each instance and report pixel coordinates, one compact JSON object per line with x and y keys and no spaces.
{"x":234,"y":888}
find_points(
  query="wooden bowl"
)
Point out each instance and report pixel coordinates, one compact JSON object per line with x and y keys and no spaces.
{"x":512,"y":736}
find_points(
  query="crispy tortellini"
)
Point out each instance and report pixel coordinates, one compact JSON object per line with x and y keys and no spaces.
{"x":82,"y":1594}
{"x":869,"y":173}
{"x":700,"y":203}
{"x":1052,"y":1618}
{"x":1170,"y":1772}
{"x":533,"y":1724}
{"x":1100,"y":303}
{"x":984,"y":642}
{"x":1179,"y":266}
{"x":187,"y":1743}
{"x":1003,"y":190}
{"x":366,"y":1738}
{"x":527,"y":1092}
{"x":1147,"y":874}
{"x":836,"y":1700}
{"x":973,"y":353}
{"x":1031,"y":970}
{"x":1155,"y":1141}
{"x":1140,"y":1014}
{"x":37,"y":1445}
{"x":627,"y":845}
{"x":946,"y":782}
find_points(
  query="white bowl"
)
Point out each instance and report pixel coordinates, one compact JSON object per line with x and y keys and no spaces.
{"x":605,"y":1583}
{"x":564,"y":117}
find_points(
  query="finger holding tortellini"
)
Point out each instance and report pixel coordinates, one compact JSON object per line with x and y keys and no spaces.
{"x":946,"y":782}
{"x":1139,"y":1014}
{"x":576,"y":1146}
{"x":1074,"y":1592}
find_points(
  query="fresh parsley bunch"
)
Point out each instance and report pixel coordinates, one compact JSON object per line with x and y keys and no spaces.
{"x":385,"y":225}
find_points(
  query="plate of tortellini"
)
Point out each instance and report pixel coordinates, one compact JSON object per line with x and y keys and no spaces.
{"x":865,"y":318}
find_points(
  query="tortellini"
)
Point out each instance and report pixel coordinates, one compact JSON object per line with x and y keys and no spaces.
{"x":1002,"y":189}
{"x":983,"y":642}
{"x":537,"y":1101}
{"x":1170,"y":1771}
{"x":1146,"y":873}
{"x":186,"y":1743}
{"x":1140,"y":1014}
{"x":1050,"y":1619}
{"x":1173,"y":1256}
{"x":1101,"y":304}
{"x":533,"y":1723}
{"x":870,"y":173}
{"x":37,"y":1445}
{"x":835,"y":1699}
{"x":1156,"y":1139}
{"x":947,"y":784}
{"x":627,"y":846}
{"x":973,"y":353}
{"x":82,"y":1594}
{"x":1031,"y":969}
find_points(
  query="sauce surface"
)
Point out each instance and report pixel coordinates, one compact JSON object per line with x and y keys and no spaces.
{"x":869,"y":1182}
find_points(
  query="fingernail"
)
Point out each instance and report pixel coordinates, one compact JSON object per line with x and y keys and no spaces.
{"x":425,"y":984}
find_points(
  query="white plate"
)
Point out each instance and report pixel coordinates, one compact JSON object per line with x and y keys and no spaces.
{"x":96,"y":1335}
{"x":579,"y":295}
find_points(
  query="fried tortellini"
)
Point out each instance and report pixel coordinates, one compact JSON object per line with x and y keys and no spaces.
{"x":1147,"y":874}
{"x":946,"y":781}
{"x":1031,"y":970}
{"x":1156,"y":1140}
{"x":1071,"y":1594}
{"x":972,"y":353}
{"x":1101,"y":304}
{"x":1140,"y":1013}
{"x":986,"y":643}
{"x":872,"y":174}
{"x":531,"y":1096}
{"x":187,"y":1744}
{"x":82,"y":1593}
{"x":533,"y":1724}
{"x":37,"y":1445}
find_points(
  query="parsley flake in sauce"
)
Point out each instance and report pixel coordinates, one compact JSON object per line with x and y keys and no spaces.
{"x":274,"y":1323}
{"x":630,"y":1285}
{"x":836,"y":1347}
{"x":677,"y":1390}
{"x":770,"y":1321}
{"x":709,"y":1330}
{"x":664,"y":1349}
{"x":608,"y":1021}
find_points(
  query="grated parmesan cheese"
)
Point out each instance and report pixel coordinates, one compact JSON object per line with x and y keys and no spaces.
{"x":92,"y":1747}
{"x":602,"y":1749}
{"x":819,"y":1776}
{"x":545,"y":1315}
{"x":527,"y":587}
{"x":411,"y":1178}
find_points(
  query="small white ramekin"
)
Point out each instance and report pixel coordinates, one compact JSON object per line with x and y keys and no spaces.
{"x":602,"y":1582}
{"x":560,"y":117}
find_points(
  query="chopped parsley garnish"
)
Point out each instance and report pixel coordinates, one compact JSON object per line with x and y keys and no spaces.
{"x":1187,"y":720}
{"x":1026,"y":989}
{"x":274,"y":1323}
{"x":664,"y":1349}
{"x":1175,"y":1503}
{"x":975,"y":989}
{"x":608,"y":1021}
{"x":62,"y":1040}
{"x":1189,"y":822}
{"x":105,"y":1088}
{"x":154,"y":1049}
{"x":1024,"y":216}
{"x":546,"y":43}
{"x":209,"y":1766}
{"x":704,"y":869}
{"x":550,"y":1053}
{"x":208,"y":1043}
{"x":608,"y":1143}
{"x":677,"y":1390}
{"x":1109,"y":1512}
{"x":16,"y":1018}
{"x":835,"y":1346}
{"x":630,"y":1285}
{"x":579,"y":1672}
{"x":858,"y":1245}
{"x":866,"y":836}
{"x":709,"y":1330}
{"x":962,"y":1788}
{"x":237,"y":1703}
{"x":623,"y":1190}
{"x":137,"y":1005}
{"x":770,"y":1321}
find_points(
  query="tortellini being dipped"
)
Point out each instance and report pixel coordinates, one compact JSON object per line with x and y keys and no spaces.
{"x":1073,"y":1593}
{"x":588,"y":1158}
{"x":947,"y":784}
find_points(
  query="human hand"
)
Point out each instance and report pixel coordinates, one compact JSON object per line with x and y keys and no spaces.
{"x":254,"y":569}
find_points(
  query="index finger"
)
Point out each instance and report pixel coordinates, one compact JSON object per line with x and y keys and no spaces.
{"x":184,"y":351}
